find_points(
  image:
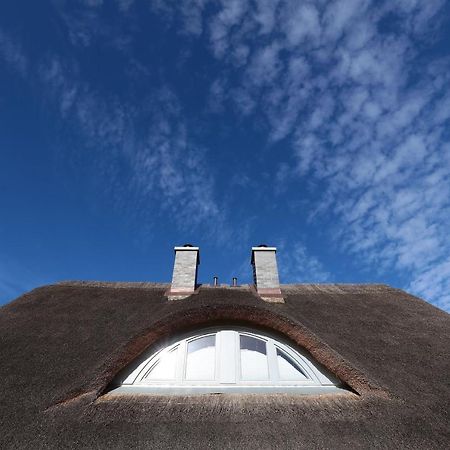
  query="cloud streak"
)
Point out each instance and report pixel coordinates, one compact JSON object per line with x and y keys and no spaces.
{"x":297,"y":264}
{"x":164,"y":167}
{"x":12,"y":53}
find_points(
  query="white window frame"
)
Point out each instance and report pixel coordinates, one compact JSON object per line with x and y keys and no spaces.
{"x":227,"y":342}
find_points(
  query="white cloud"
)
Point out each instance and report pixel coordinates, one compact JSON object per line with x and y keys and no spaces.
{"x":265,"y":64}
{"x":229,"y":16}
{"x":12,"y":53}
{"x":433,"y":283}
{"x":297,"y":265}
{"x":125,"y":5}
{"x":339,"y":14}
{"x":217,"y":95}
{"x":169,"y":167}
{"x":265,"y":15}
{"x":192,"y":14}
{"x":301,"y":22}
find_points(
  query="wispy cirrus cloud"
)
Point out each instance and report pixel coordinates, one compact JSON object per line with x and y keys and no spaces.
{"x":164,"y":167}
{"x":434,"y":283}
{"x":148,"y":137}
{"x":364,"y":110}
{"x":12,"y":53}
{"x":298,"y":265}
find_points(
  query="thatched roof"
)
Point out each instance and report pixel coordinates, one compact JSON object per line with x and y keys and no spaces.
{"x":61,"y":345}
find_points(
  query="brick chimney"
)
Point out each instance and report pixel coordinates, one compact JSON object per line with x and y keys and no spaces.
{"x":184,"y":279}
{"x":265,"y":273}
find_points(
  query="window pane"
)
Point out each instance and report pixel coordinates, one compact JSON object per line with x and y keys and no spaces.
{"x":253,"y":359}
{"x":165,"y":366}
{"x":288,"y":369}
{"x":201,"y":358}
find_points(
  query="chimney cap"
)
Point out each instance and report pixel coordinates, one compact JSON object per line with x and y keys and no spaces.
{"x":262,"y":248}
{"x":189,"y":248}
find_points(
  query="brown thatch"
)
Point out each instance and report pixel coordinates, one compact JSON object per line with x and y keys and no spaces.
{"x":62,"y":345}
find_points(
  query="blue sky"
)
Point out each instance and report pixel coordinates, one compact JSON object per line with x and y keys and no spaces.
{"x":128,"y":127}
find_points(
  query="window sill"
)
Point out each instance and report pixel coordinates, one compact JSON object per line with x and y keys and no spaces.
{"x":201,"y":390}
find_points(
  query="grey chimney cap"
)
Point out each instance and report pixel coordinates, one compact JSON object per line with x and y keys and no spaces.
{"x":190,"y":248}
{"x":261,"y":248}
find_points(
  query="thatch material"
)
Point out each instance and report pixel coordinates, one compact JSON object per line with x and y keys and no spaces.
{"x":61,"y":346}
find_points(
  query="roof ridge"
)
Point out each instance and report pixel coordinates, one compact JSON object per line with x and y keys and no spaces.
{"x":113,"y":284}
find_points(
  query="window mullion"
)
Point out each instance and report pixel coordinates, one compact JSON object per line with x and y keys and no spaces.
{"x":274,"y":374}
{"x":237,"y":357}
{"x":217,"y":368}
{"x":181,"y":361}
{"x":227,"y":357}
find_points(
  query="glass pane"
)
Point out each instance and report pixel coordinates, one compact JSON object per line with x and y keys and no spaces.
{"x":165,"y":366}
{"x":253,"y":359}
{"x":201,"y":358}
{"x":288,"y":369}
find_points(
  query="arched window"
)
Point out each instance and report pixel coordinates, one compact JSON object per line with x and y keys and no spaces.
{"x":227,"y":360}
